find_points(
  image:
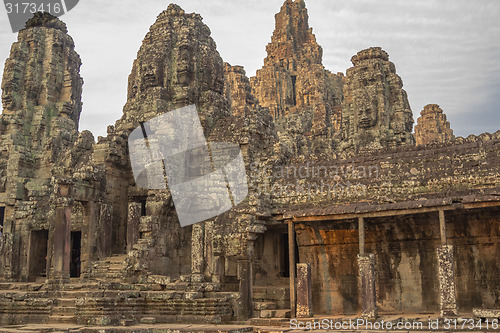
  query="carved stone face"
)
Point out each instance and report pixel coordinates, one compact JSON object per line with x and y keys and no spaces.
{"x":367,"y":117}
{"x":152,"y":75}
{"x":184,"y":64}
{"x":7,"y":100}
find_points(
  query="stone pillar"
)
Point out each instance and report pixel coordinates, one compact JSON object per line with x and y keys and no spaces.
{"x":105,"y":225}
{"x":304,"y":291}
{"x":89,"y":239}
{"x":133,"y":220}
{"x":361,"y":230}
{"x":198,"y":252}
{"x":448,"y":299}
{"x":218,"y":269}
{"x":245,"y":289}
{"x":62,"y":244}
{"x":442,"y":227}
{"x":368,"y":293}
{"x":291,"y":252}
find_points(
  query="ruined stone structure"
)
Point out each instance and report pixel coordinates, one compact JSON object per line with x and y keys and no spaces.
{"x":432,"y":126}
{"x":344,"y":214}
{"x":375,"y":112}
{"x":303,"y":98}
{"x":237,"y":89}
{"x":40,"y":142}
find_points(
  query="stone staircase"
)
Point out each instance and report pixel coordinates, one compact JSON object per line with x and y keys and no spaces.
{"x":64,"y":311}
{"x":109,"y":268}
{"x":104,"y":296}
{"x":271,"y":302}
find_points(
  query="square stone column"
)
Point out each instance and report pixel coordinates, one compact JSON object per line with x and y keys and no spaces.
{"x":62,"y":245}
{"x":446,"y":269}
{"x":198,"y":252}
{"x":368,"y":293}
{"x":133,"y":220}
{"x":89,"y":239}
{"x":304,"y":291}
{"x":245,"y":304}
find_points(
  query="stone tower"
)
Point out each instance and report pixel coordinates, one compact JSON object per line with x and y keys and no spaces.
{"x":177,"y":65}
{"x":375,"y":112}
{"x":237,"y":89}
{"x":174,"y":68}
{"x":432,"y":126}
{"x":39,"y":140}
{"x":302,"y":96}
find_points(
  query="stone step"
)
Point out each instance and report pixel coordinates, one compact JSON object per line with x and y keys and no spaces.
{"x":81,"y":286}
{"x":283,"y":313}
{"x":117,"y":260}
{"x":62,"y":319}
{"x":66,"y":301}
{"x":264,"y":306}
{"x":64,"y":310}
{"x":275,"y":322}
{"x":5,"y":286}
{"x":486,"y":313}
{"x":271,"y":330}
{"x":73,"y":294}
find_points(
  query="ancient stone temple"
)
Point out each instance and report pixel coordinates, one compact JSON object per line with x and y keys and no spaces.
{"x":432,"y":126}
{"x":375,"y":111}
{"x":344,"y":215}
{"x":303,"y":98}
{"x":39,"y":134}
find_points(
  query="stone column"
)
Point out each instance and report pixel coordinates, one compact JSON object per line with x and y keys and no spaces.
{"x":198,"y":252}
{"x":368,"y":293}
{"x":448,"y":299}
{"x":89,"y":239}
{"x":133,"y":220}
{"x":304,"y":291}
{"x":105,"y":225}
{"x":446,"y":271}
{"x":245,"y":289}
{"x":291,"y":252}
{"x":62,"y":244}
{"x":361,"y":230}
{"x":218,"y":269}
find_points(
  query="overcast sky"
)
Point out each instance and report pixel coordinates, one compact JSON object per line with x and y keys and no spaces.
{"x":447,"y":52}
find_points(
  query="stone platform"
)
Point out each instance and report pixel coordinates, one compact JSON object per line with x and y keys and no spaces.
{"x":277,"y":325}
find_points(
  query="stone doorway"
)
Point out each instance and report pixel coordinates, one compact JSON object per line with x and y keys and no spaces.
{"x":2,"y":215}
{"x":38,"y":254}
{"x":76,"y":245}
{"x":272,"y":258}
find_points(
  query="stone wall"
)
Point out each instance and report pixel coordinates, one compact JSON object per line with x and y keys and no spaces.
{"x":406,"y":261}
{"x":465,"y":166}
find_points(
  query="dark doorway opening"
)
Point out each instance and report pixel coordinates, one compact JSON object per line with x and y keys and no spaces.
{"x":76,"y":245}
{"x":294,"y":94}
{"x":285,"y":255}
{"x":2,"y":215}
{"x":38,"y":254}
{"x":143,"y":207}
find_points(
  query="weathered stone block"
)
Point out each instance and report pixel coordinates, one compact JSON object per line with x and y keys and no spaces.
{"x":367,"y":285}
{"x":447,"y":293}
{"x":304,"y":291}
